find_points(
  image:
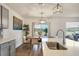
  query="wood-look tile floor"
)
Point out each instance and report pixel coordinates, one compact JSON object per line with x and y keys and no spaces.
{"x":29,"y":50}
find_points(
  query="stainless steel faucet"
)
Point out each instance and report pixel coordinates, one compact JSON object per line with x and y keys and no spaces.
{"x":60,"y":30}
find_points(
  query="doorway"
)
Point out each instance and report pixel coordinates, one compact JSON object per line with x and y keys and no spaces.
{"x":40,"y":29}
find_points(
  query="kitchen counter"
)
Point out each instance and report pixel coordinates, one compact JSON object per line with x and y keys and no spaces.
{"x":4,"y":40}
{"x":72,"y":50}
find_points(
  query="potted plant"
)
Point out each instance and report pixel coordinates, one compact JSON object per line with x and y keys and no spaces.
{"x":25,"y":30}
{"x":40,"y":33}
{"x":45,"y":30}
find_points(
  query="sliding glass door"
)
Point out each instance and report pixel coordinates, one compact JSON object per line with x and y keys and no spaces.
{"x":40,"y":29}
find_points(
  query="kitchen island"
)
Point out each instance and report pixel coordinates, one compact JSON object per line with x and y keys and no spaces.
{"x":72,"y":48}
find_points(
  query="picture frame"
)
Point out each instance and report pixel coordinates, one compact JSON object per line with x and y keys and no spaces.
{"x":17,"y":23}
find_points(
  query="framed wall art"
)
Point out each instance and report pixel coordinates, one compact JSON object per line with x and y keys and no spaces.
{"x":17,"y":23}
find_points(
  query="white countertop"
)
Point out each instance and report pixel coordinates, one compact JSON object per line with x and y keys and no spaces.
{"x":72,"y":50}
{"x":4,"y":40}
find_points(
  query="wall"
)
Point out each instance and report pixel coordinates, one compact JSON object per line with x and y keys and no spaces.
{"x":55,"y":23}
{"x":59,"y":23}
{"x":9,"y":33}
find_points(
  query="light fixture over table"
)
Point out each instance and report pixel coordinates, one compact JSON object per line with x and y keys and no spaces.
{"x":42,"y":20}
{"x":42,"y":13}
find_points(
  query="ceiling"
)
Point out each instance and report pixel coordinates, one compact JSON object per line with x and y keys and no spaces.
{"x":34,"y":9}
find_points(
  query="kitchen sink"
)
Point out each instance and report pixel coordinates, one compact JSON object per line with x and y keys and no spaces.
{"x":55,"y":46}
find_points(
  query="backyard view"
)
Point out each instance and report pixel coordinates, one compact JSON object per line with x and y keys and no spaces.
{"x":40,"y":29}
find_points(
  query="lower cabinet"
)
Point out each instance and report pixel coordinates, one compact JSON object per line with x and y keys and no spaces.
{"x":5,"y":51}
{"x":8,"y":48}
{"x":12,"y":48}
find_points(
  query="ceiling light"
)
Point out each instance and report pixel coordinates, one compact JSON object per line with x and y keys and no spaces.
{"x":42,"y":20}
{"x":58,"y":9}
{"x":42,"y":13}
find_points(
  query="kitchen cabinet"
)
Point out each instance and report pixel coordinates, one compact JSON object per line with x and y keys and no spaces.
{"x":0,"y":17}
{"x":4,"y":17}
{"x":7,"y":48}
{"x":4,"y":50}
{"x":12,"y":48}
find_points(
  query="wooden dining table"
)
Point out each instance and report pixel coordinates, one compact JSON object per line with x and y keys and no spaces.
{"x":31,"y":38}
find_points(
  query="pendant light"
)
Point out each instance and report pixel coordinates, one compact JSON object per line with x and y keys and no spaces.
{"x":42,"y":14}
{"x":58,"y":9}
